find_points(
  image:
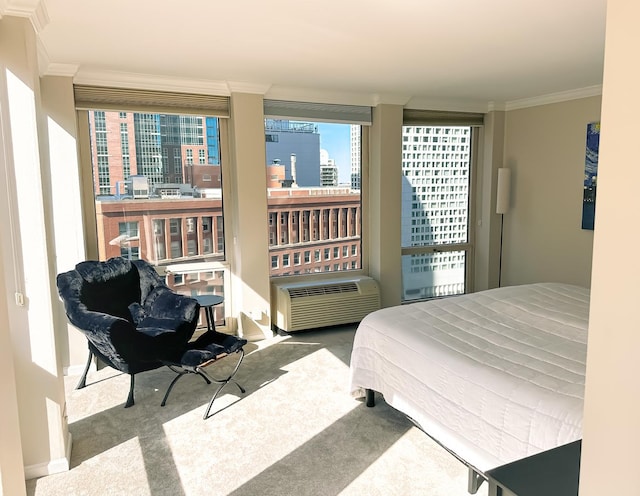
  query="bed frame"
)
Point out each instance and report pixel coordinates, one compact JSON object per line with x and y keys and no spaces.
{"x":475,"y":478}
{"x":492,"y":377}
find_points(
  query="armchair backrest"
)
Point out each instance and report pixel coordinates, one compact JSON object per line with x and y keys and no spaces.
{"x":109,"y":287}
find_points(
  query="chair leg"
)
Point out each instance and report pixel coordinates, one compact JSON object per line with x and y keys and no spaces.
{"x":175,"y":379}
{"x":223,"y":383}
{"x":130,"y":401}
{"x":83,"y":380}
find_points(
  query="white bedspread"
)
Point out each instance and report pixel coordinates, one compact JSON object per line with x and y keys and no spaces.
{"x":493,"y":376}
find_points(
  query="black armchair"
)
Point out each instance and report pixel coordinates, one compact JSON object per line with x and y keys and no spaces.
{"x":133,"y":322}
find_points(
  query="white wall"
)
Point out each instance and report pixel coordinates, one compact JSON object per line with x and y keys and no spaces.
{"x":11,"y":466}
{"x":612,"y":403}
{"x":486,"y":222}
{"x":545,"y":150}
{"x":250,"y":242}
{"x":67,"y":212}
{"x":385,"y":202}
{"x":27,"y":252}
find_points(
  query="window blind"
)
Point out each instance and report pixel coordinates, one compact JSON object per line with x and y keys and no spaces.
{"x":149,"y":101}
{"x":322,"y":112}
{"x":414,"y":117}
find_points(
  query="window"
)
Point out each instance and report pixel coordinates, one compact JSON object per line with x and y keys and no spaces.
{"x":435,"y":221}
{"x":131,"y":252}
{"x":313,"y":180}
{"x":128,"y":229}
{"x":174,"y":226}
{"x":220,"y":234}
{"x":131,"y":154}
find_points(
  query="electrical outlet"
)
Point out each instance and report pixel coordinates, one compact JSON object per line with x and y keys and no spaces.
{"x":19,"y":299}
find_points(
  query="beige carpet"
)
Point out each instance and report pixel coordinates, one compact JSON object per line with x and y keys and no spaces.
{"x":296,"y":432}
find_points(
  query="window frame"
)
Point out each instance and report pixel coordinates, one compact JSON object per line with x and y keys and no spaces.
{"x":315,"y":113}
{"x":413,"y":118}
{"x":191,"y":107}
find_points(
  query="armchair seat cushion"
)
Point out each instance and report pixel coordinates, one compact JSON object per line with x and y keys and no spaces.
{"x":152,"y":326}
{"x":194,"y":358}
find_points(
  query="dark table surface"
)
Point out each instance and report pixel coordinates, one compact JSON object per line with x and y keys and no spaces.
{"x":555,"y":472}
{"x":209,"y":300}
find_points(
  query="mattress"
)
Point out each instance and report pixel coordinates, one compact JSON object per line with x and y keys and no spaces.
{"x":493,"y":376}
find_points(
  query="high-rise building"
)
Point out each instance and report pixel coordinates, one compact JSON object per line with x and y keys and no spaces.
{"x":355,"y":156}
{"x":435,"y":200}
{"x":163,"y":148}
{"x":296,"y":145}
{"x":329,"y":173}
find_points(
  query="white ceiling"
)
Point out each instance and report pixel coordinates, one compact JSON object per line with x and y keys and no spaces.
{"x":461,"y":53}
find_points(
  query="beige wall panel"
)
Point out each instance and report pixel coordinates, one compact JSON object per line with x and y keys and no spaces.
{"x":612,"y":403}
{"x":543,"y":237}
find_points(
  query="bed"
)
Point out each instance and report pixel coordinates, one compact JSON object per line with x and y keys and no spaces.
{"x":492,"y":376}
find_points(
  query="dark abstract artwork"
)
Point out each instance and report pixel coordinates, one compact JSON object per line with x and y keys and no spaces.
{"x":590,"y":175}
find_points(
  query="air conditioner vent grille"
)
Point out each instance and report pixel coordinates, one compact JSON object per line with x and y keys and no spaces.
{"x":347,"y":287}
{"x":331,"y":302}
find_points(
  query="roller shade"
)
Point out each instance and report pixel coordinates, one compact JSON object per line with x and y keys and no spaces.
{"x":412,"y":117}
{"x":322,"y":112}
{"x":149,"y":101}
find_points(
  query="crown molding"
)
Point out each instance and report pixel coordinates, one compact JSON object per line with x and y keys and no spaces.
{"x":66,"y":70}
{"x":34,"y":10}
{"x":562,"y":96}
{"x":48,"y":68}
{"x":150,"y":82}
{"x":447,"y":104}
{"x":319,"y":96}
{"x":244,"y":87}
{"x":275,"y":92}
{"x":390,"y":99}
{"x":496,"y":107}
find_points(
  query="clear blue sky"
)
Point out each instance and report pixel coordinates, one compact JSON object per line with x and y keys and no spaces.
{"x":336,"y":139}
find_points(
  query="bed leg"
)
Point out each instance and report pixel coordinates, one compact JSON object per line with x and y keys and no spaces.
{"x":371,"y":400}
{"x":475,"y":481}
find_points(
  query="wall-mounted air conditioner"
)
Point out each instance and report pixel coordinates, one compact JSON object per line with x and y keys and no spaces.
{"x":301,"y":306}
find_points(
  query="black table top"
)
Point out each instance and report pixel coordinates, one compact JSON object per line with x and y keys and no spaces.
{"x":555,"y":472}
{"x":209,"y":300}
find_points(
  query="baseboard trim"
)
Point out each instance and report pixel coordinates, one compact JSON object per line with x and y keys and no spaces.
{"x":51,"y":467}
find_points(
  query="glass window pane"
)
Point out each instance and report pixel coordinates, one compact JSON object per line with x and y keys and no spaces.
{"x":436,"y":168}
{"x":432,"y":275}
{"x":158,"y":192}
{"x":313,"y":181}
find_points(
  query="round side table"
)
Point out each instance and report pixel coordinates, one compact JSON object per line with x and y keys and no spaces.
{"x":208,"y":302}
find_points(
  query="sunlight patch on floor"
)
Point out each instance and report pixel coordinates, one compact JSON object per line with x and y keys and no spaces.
{"x":213,"y":442}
